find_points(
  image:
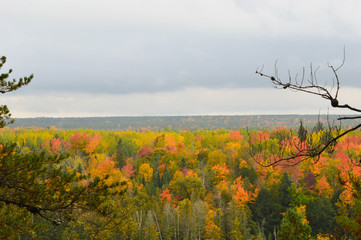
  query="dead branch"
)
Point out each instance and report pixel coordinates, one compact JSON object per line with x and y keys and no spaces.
{"x":313,"y":87}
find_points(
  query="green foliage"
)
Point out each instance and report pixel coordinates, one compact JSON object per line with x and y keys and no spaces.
{"x":125,"y":149}
{"x":349,"y":211}
{"x":174,"y":195}
{"x":15,"y":221}
{"x":265,"y":211}
{"x":185,"y":185}
{"x":38,"y":184}
{"x":298,"y":196}
{"x":302,"y":132}
{"x":283,"y":193}
{"x":294,"y":226}
{"x":249,"y":173}
{"x":9,"y":86}
{"x":321,"y":215}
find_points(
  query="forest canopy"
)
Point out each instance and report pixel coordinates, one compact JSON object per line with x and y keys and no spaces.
{"x":201,"y":184}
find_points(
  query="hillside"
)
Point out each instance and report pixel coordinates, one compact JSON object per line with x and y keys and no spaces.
{"x":177,"y":123}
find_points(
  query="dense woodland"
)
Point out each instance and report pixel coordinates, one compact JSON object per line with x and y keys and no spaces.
{"x":177,"y":123}
{"x":204,"y":184}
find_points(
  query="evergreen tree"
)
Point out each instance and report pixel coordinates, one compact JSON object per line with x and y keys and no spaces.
{"x":34,"y":184}
{"x":125,"y":149}
{"x":321,"y":215}
{"x":302,"y":132}
{"x":283,"y":193}
{"x":9,"y":86}
{"x":294,"y":225}
{"x":265,"y":212}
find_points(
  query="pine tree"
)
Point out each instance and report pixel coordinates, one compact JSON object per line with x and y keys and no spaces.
{"x":294,"y":225}
{"x":302,"y":132}
{"x":9,"y":86}
{"x":35,"y":185}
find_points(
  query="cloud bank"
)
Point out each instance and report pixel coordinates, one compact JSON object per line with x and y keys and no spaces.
{"x":121,"y":49}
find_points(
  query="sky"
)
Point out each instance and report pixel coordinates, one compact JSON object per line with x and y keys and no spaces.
{"x":175,"y":57}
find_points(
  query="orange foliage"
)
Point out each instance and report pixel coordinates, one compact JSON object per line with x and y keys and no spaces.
{"x":92,"y":144}
{"x":84,"y":142}
{"x":180,"y":146}
{"x":212,"y":231}
{"x":220,"y":173}
{"x":161,"y":169}
{"x":235,"y":136}
{"x":292,"y":146}
{"x":240,"y":194}
{"x":324,"y":187}
{"x":346,"y":196}
{"x":166,"y":197}
{"x":128,"y":170}
{"x":170,"y":143}
{"x":223,"y":186}
{"x":103,"y":168}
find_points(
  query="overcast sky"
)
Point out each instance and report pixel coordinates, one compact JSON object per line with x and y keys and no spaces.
{"x":174,"y":57}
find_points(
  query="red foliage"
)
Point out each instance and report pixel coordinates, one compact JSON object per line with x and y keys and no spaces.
{"x":56,"y":145}
{"x":171,"y":149}
{"x":128,"y":170}
{"x":235,"y":136}
{"x":161,"y":170}
{"x":259,"y":136}
{"x":145,"y":152}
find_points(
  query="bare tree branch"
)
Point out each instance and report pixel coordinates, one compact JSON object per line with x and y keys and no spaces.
{"x":312,"y":150}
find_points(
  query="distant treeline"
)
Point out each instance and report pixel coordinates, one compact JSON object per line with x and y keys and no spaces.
{"x":177,"y":123}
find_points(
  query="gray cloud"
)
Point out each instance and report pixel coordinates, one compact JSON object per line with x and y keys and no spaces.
{"x":195,"y":101}
{"x":177,"y":63}
{"x":133,"y":46}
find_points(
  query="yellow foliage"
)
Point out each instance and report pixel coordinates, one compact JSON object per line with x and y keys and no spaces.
{"x":324,"y":236}
{"x":146,"y":171}
{"x":216,"y":157}
{"x":301,"y":210}
{"x":104,"y":168}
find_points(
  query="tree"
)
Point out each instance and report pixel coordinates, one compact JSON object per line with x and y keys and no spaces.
{"x":266,"y":212}
{"x":9,"y":86}
{"x":321,"y":215}
{"x":295,"y":225}
{"x":311,"y":149}
{"x":323,"y":140}
{"x":36,"y":183}
{"x":125,"y":149}
{"x":212,"y":230}
{"x":185,"y":184}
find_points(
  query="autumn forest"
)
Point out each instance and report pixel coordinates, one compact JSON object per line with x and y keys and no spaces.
{"x":203,"y":184}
